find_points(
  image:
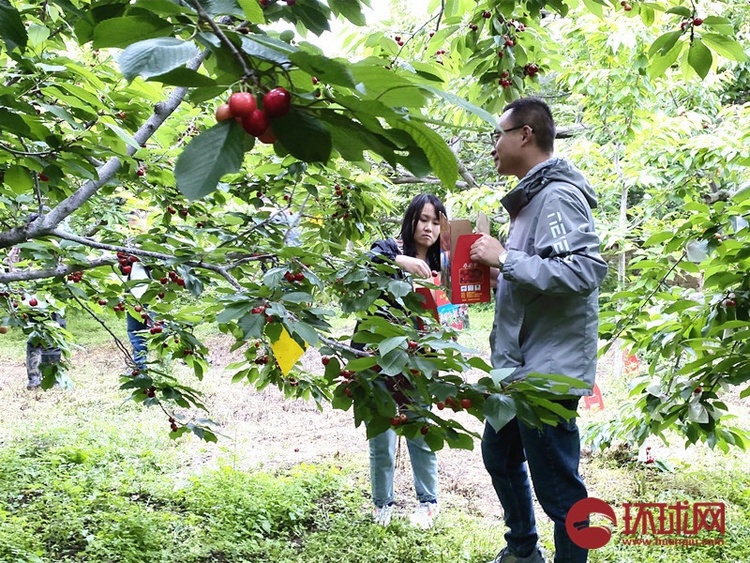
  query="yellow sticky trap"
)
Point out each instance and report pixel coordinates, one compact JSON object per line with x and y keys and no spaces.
{"x":286,"y":351}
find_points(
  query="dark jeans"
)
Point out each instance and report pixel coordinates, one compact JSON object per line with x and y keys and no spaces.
{"x":137,"y":341}
{"x":553,"y":453}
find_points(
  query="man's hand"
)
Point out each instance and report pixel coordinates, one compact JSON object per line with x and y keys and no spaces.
{"x":414,"y":266}
{"x":486,"y":250}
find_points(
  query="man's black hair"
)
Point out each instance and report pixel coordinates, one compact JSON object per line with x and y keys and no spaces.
{"x":535,"y":113}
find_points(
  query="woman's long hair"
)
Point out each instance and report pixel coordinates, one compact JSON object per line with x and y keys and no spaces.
{"x":409,"y":224}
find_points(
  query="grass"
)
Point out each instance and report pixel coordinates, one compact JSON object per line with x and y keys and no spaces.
{"x":86,"y":475}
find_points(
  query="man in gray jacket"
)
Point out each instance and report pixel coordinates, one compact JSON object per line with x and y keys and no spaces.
{"x":546,"y":322}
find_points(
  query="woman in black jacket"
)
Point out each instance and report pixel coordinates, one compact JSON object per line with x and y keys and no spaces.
{"x":417,"y":253}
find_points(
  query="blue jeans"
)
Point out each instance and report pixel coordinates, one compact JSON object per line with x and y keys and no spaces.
{"x":137,"y":341}
{"x":553,"y":453}
{"x":383,"y":465}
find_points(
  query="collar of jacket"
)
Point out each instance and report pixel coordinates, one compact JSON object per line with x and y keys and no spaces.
{"x":527,"y":188}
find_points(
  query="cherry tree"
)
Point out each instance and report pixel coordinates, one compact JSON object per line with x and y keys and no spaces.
{"x":246,"y":168}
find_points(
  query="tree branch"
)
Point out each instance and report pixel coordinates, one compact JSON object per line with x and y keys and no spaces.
{"x":45,"y":224}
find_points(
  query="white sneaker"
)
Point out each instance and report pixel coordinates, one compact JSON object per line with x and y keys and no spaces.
{"x":425,"y":514}
{"x":382,"y":514}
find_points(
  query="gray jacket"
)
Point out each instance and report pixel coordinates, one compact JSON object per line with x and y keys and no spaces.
{"x":547,"y":310}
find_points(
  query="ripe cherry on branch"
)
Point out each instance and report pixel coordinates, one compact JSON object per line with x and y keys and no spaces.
{"x":256,"y":123}
{"x":242,"y":104}
{"x":277,"y":102}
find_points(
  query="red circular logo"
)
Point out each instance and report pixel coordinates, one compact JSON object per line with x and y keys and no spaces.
{"x":577,"y":523}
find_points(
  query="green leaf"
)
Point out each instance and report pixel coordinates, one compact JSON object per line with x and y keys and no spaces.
{"x":594,"y":7}
{"x":327,"y":70}
{"x":208,"y":157}
{"x":155,"y":56}
{"x":306,"y":333}
{"x":499,"y":409}
{"x":389,"y":344}
{"x":126,"y":137}
{"x":121,"y":32}
{"x":253,"y":11}
{"x":658,"y":237}
{"x":312,"y":15}
{"x":304,"y":136}
{"x":264,"y":51}
{"x":440,"y":157}
{"x":719,"y":25}
{"x":350,"y":9}
{"x":664,"y":43}
{"x":12,"y":30}
{"x":187,"y":78}
{"x":360,"y":364}
{"x":700,"y":58}
{"x":387,"y":86}
{"x":660,"y":65}
{"x":683,"y":11}
{"x":18,"y":178}
{"x":725,"y":46}
{"x":393,"y":362}
{"x":463,"y":103}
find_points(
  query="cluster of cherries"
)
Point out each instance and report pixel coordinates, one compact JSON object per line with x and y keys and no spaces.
{"x":173,"y":277}
{"x":294,"y":276}
{"x":256,"y":121}
{"x":454,"y":404}
{"x":126,"y":262}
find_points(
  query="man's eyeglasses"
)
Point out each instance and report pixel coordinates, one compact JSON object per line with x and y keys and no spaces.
{"x":500,"y":132}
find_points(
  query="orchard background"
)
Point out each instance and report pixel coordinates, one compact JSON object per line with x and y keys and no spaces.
{"x":112,"y":152}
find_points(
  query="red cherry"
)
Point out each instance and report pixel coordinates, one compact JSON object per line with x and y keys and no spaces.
{"x":424,"y":430}
{"x":466,"y":403}
{"x":395,"y":421}
{"x":255,"y":123}
{"x":325,"y":360}
{"x":277,"y":102}
{"x":126,"y":269}
{"x":33,"y":302}
{"x":242,"y":104}
{"x":697,"y":21}
{"x":43,"y":178}
{"x":440,"y":405}
{"x":268,"y":137}
{"x":223,"y":112}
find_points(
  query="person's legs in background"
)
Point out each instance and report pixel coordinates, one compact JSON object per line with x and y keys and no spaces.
{"x":138,"y":341}
{"x":382,"y":467}
{"x":425,"y":471}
